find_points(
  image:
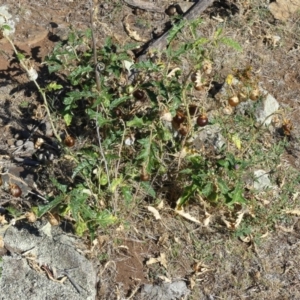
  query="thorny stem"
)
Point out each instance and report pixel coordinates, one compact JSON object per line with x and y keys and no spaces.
{"x":38,"y":87}
{"x":97,"y":75}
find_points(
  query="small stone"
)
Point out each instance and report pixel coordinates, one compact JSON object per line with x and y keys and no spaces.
{"x":10,"y":142}
{"x":19,"y":143}
{"x":29,"y":145}
{"x":262,"y":180}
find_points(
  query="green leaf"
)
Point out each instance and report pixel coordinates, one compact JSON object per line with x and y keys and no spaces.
{"x":187,"y":193}
{"x":148,"y":189}
{"x":207,"y":190}
{"x":118,"y":101}
{"x":53,"y":86}
{"x":127,"y":194}
{"x":231,"y":43}
{"x":218,"y":32}
{"x":175,"y":30}
{"x":136,"y":122}
{"x":115,"y":183}
{"x":48,"y":207}
{"x":236,"y":196}
{"x":20,"y":56}
{"x":222,"y":186}
{"x":80,"y":228}
{"x":6,"y":27}
{"x":68,"y":119}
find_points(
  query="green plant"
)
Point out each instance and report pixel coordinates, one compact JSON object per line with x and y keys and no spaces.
{"x":141,"y":117}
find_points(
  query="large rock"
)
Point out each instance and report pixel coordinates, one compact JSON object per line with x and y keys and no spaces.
{"x":31,"y":251}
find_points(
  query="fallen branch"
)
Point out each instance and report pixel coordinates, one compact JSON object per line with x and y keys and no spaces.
{"x":162,"y":42}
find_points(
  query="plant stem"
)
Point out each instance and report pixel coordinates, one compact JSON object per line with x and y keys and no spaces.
{"x":38,"y":87}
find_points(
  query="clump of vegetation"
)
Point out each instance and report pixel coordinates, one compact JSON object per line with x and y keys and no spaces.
{"x":140,"y":120}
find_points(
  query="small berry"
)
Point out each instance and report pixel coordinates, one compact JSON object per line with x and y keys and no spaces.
{"x":15,"y":190}
{"x":233,"y":101}
{"x":171,"y":10}
{"x":192,"y":109}
{"x":194,"y":77}
{"x":139,"y":95}
{"x":179,"y":118}
{"x":202,"y":120}
{"x":69,"y":141}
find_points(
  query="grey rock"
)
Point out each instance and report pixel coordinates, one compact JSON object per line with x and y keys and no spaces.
{"x":166,"y":291}
{"x":29,"y":145}
{"x":23,"y":278}
{"x":209,"y":135}
{"x":19,"y":143}
{"x":262,"y":180}
{"x":266,"y":109}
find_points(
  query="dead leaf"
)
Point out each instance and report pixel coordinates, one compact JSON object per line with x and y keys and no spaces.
{"x":161,"y":259}
{"x":2,"y":220}
{"x":283,"y":9}
{"x":186,"y":216}
{"x":152,"y":261}
{"x":155,"y":212}
{"x":293,"y":212}
{"x":132,"y":33}
{"x":54,"y":220}
{"x":207,"y":219}
{"x":163,"y":238}
{"x":161,"y":205}
{"x":245,"y":239}
{"x":30,"y":216}
{"x":173,"y":72}
{"x":164,"y":278}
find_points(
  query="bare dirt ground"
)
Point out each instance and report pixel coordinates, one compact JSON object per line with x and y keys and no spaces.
{"x":214,"y":262}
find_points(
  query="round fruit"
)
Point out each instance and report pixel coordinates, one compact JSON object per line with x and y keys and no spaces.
{"x":254,"y":95}
{"x":15,"y":190}
{"x":179,"y":118}
{"x":192,"y":109}
{"x":69,"y":141}
{"x":139,"y":95}
{"x":233,"y":101}
{"x":171,"y":10}
{"x":194,"y":76}
{"x":202,"y":120}
{"x":183,"y":131}
{"x":144,"y":177}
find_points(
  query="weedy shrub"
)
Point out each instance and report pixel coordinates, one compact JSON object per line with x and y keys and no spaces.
{"x":136,"y":119}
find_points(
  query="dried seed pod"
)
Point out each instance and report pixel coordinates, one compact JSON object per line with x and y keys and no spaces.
{"x":199,"y":87}
{"x":38,"y":143}
{"x":1,"y":181}
{"x":227,"y":110}
{"x":69,"y":141}
{"x":179,"y":118}
{"x":194,"y":76}
{"x":287,"y":127}
{"x":144,"y":175}
{"x":31,"y":217}
{"x":15,"y":190}
{"x":233,"y":101}
{"x":183,"y":130}
{"x":171,"y":10}
{"x":192,"y":109}
{"x":254,"y":95}
{"x":54,"y":220}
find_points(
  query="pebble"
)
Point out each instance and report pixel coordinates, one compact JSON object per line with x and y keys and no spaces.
{"x":10,"y":142}
{"x":29,"y":145}
{"x":19,"y":143}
